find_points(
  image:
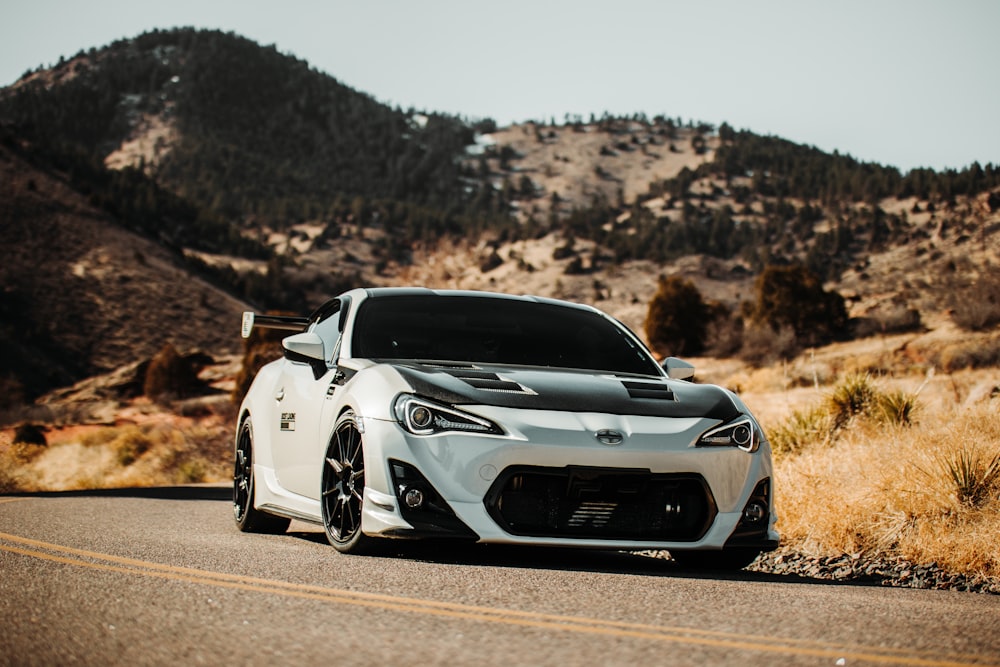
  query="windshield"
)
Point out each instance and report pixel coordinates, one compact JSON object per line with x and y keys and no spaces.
{"x":492,"y":330}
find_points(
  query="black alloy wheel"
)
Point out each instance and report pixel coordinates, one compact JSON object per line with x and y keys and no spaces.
{"x":249,"y":519}
{"x":343,"y":488}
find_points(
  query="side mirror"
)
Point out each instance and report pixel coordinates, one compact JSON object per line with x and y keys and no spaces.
{"x":306,"y":346}
{"x":678,"y":369}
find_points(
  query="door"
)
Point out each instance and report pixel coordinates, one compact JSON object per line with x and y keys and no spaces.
{"x":299,"y":400}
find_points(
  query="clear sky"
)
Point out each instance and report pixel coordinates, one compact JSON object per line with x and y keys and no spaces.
{"x":909,"y":83}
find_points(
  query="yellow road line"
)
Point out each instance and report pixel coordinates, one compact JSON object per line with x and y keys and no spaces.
{"x":678,"y":635}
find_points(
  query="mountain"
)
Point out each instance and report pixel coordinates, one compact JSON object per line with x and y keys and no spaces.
{"x":240,"y":129}
{"x":154,"y":186}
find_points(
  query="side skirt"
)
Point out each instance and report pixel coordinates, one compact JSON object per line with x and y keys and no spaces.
{"x":272,"y":498}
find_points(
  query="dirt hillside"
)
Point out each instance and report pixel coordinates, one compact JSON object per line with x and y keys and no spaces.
{"x":99,"y":297}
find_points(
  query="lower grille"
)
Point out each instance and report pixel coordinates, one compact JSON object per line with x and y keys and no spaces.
{"x":601,"y":503}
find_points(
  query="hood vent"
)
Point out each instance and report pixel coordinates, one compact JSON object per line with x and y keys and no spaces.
{"x":657,"y":391}
{"x":488,"y":381}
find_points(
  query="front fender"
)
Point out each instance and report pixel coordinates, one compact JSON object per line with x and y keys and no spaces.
{"x":258,"y":405}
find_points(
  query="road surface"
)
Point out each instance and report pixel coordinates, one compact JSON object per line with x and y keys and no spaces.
{"x":162,"y":577}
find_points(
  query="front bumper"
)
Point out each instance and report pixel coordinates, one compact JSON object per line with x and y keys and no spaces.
{"x":549,"y":481}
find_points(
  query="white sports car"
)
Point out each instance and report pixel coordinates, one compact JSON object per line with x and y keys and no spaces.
{"x":414,"y":413}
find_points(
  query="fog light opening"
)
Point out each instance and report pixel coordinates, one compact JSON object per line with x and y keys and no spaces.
{"x":755,"y":512}
{"x":414,"y":498}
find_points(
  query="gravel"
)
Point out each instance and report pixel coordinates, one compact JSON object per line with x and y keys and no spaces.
{"x":866,"y":571}
{"x":878,"y":571}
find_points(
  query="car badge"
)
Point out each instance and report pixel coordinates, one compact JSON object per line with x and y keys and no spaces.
{"x":610,"y":438}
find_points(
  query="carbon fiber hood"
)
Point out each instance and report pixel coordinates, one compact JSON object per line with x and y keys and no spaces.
{"x":565,"y":390}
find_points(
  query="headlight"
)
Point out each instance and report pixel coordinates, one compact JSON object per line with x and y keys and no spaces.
{"x":742,"y":433}
{"x":423,"y":417}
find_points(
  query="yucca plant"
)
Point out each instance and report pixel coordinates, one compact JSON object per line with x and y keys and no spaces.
{"x":976,"y":478}
{"x":801,"y":430}
{"x":895,"y":407}
{"x":854,"y":395}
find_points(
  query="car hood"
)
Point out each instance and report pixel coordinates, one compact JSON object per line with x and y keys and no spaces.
{"x":566,"y":390}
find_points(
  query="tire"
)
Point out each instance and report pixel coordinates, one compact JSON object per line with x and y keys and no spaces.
{"x":248,"y":518}
{"x":343,"y":489}
{"x":727,"y":560}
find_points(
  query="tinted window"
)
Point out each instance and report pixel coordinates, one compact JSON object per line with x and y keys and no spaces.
{"x":493,"y":330}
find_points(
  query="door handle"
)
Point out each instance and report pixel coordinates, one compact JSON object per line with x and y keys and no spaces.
{"x":280,"y":395}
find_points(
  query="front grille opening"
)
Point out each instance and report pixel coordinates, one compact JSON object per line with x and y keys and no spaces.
{"x":599,"y":503}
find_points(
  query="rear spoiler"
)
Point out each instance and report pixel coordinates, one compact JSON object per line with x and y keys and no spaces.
{"x":283,"y":322}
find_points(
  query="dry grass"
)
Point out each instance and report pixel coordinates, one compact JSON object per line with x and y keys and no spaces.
{"x":152,"y":454}
{"x":926,"y":492}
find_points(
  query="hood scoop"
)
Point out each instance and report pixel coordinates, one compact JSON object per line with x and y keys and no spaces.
{"x":488,"y":381}
{"x":655,"y":391}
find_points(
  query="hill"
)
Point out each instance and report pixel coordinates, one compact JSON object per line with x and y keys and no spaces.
{"x":242,"y":130}
{"x":82,"y":295}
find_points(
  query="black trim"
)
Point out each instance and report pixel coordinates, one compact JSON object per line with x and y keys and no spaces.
{"x":435,"y":518}
{"x":755,"y":535}
{"x":435,"y":534}
{"x":751,"y":543}
{"x":318,"y":366}
{"x":290,"y":514}
{"x":281,"y":322}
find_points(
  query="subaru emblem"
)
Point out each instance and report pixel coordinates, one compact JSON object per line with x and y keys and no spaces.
{"x":610,"y":438}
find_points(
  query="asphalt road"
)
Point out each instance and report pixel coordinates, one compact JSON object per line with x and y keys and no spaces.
{"x":157,"y":577}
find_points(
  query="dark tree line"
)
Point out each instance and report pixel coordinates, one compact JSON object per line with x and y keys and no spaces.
{"x":781,"y":168}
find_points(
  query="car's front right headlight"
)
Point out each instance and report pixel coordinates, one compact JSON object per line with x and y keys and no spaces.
{"x":742,"y":433}
{"x":421,"y":416}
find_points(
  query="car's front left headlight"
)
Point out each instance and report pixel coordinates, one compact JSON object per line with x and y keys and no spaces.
{"x":421,"y":416}
{"x":742,"y":433}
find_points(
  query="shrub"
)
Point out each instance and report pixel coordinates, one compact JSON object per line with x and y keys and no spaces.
{"x":898,"y":320}
{"x":895,"y":407}
{"x":724,"y":333}
{"x":762,"y":345}
{"x":800,"y":431}
{"x":978,"y":354}
{"x":30,"y":434}
{"x":854,"y":395}
{"x":677,"y":318}
{"x":793,"y":296}
{"x":575,"y":267}
{"x":192,"y":471}
{"x":976,"y":478}
{"x":977,"y":308}
{"x":130,"y":444}
{"x":490,"y":262}
{"x":169,"y":375}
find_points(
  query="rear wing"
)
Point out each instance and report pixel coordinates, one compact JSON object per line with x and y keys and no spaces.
{"x":283,"y":322}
